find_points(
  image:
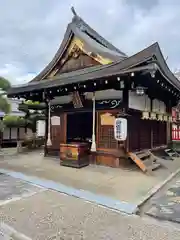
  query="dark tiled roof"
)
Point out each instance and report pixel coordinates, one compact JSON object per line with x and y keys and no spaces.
{"x":84,"y":27}
{"x":92,"y":39}
{"x":150,"y":54}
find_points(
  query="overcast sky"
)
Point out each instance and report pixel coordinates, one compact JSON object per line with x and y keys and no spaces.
{"x":31,"y":31}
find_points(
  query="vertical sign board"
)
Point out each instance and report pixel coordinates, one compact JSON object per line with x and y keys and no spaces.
{"x":120,"y":129}
{"x":40,"y":128}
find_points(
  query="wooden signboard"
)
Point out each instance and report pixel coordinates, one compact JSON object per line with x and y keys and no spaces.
{"x":107,"y":119}
{"x":55,"y":121}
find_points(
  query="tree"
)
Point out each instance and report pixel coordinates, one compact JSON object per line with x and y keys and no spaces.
{"x":4,"y":105}
{"x":34,"y":111}
{"x":4,"y":86}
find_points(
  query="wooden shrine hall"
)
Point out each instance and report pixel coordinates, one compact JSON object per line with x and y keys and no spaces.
{"x":88,"y":84}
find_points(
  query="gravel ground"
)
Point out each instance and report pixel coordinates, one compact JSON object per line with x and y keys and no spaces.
{"x":50,"y":215}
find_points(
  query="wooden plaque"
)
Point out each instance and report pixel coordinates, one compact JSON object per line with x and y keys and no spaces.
{"x":107,"y":119}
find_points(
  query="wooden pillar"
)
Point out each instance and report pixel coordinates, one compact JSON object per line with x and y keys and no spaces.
{"x":125,"y":109}
{"x":93,"y":145}
{"x":46,"y":129}
{"x":169,"y":124}
{"x":151,"y":124}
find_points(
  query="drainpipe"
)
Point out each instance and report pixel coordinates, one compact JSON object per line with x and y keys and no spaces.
{"x":93,"y":145}
{"x":49,"y":142}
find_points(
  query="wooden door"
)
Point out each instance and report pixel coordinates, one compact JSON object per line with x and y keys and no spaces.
{"x":58,"y":131}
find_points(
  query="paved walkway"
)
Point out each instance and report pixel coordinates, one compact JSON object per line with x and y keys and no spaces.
{"x":50,"y":215}
{"x":35,"y":213}
{"x":12,"y":190}
{"x":121,"y":184}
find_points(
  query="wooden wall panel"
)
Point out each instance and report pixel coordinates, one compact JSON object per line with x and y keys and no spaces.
{"x":155,"y":134}
{"x":159,"y":133}
{"x":139,"y":134}
{"x":146,"y":134}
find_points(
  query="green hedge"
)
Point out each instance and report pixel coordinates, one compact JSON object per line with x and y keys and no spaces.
{"x":14,"y":121}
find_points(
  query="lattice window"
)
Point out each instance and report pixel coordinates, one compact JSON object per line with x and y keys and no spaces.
{"x":106,"y":137}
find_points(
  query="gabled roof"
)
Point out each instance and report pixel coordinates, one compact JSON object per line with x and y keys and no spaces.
{"x":148,"y":56}
{"x":84,"y":27}
{"x":92,"y":40}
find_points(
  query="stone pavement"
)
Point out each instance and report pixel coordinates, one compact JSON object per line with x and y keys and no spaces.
{"x":12,"y":190}
{"x":96,"y":179}
{"x":48,"y":215}
{"x":51,"y":215}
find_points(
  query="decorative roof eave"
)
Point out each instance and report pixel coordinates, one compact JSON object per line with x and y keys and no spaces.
{"x":164,"y":69}
{"x":89,"y":76}
{"x":151,"y":54}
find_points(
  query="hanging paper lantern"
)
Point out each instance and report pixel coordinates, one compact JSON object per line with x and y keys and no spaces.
{"x":169,"y":118}
{"x":153,"y":116}
{"x":145,"y":115}
{"x":165,"y":118}
{"x":160,"y":117}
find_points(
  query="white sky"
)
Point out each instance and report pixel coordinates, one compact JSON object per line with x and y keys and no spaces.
{"x":31,"y":31}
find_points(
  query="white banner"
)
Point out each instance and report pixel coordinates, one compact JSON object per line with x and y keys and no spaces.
{"x":142,"y":103}
{"x":13,"y":133}
{"x":40,"y":128}
{"x":158,"y":106}
{"x":6,"y":133}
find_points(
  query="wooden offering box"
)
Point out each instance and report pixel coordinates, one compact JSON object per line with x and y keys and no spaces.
{"x":74,"y":155}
